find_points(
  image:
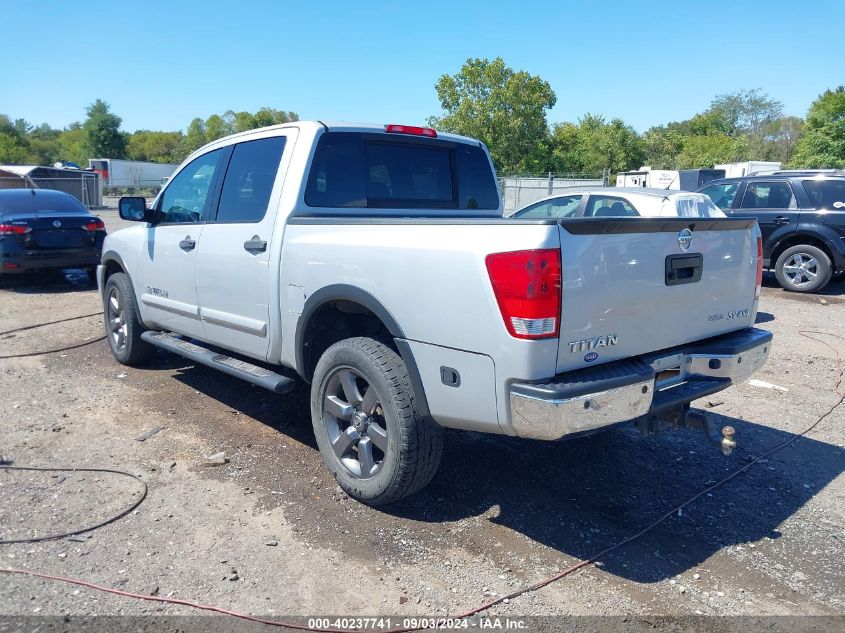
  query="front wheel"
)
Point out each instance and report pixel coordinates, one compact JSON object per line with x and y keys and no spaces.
{"x":371,"y":436}
{"x":123,"y":328}
{"x":803,"y":268}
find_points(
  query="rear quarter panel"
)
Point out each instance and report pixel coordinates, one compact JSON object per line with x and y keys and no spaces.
{"x":432,"y":278}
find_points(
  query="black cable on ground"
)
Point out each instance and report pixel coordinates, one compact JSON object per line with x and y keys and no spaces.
{"x":38,"y":539}
{"x":32,"y":327}
{"x":53,"y":351}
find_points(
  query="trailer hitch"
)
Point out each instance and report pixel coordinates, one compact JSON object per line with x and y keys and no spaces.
{"x":686,"y":418}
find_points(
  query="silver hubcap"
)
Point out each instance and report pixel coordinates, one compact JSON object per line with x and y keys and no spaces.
{"x":801,"y":269}
{"x":355,"y":424}
{"x":118,"y":330}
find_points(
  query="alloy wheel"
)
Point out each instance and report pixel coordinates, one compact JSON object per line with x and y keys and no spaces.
{"x":801,"y":269}
{"x":354,"y":420}
{"x":118,"y":328}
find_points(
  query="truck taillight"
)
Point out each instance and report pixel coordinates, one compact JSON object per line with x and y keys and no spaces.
{"x":759,"y":268}
{"x":527,"y":288}
{"x":14,"y":229}
{"x":95,"y":225}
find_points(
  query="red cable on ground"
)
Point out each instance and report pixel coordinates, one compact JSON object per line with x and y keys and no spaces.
{"x":538,"y":585}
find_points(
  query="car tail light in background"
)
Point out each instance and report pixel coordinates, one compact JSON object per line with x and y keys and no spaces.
{"x":759,"y":268}
{"x":96,"y":225}
{"x":527,"y":288}
{"x":393,"y":128}
{"x":14,"y":229}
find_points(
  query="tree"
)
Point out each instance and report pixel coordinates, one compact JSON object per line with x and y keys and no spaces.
{"x":662,"y":145}
{"x":594,"y":145}
{"x":103,"y":138}
{"x":72,"y":145}
{"x":505,"y":109}
{"x":707,"y":150}
{"x":749,"y":113}
{"x":195,"y":136}
{"x":158,"y":147}
{"x":217,"y":127}
{"x":782,"y":138}
{"x":823,"y":142}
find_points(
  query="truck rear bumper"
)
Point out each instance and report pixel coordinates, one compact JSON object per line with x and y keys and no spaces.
{"x":588,"y":400}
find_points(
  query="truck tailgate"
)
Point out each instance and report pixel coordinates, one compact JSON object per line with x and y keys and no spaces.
{"x":630,"y":287}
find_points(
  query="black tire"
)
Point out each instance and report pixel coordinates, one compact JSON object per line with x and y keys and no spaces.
{"x":414,"y":443}
{"x":812,"y":278}
{"x":124,"y":337}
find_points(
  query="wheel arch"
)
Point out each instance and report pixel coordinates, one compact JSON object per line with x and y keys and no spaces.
{"x":797,"y":239}
{"x":112,"y":262}
{"x":350,"y":311}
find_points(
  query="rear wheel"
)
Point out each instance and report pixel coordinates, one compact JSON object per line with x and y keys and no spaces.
{"x":371,"y":436}
{"x":123,"y":329}
{"x":803,"y":268}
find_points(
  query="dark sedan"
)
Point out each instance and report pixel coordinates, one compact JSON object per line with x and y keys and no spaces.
{"x":42,"y":229}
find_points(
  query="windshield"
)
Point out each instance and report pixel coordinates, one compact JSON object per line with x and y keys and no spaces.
{"x":562,"y":207}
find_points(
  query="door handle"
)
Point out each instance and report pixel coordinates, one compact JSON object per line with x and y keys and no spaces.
{"x":187,"y":244}
{"x":255,"y":245}
{"x":781,"y":219}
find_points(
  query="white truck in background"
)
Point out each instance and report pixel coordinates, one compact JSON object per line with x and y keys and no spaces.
{"x":116,"y":172}
{"x":372,"y":262}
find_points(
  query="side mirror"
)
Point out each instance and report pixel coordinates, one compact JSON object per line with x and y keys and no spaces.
{"x":134,"y":209}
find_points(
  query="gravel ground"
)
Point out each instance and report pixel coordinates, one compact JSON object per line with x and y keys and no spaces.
{"x":269,"y":532}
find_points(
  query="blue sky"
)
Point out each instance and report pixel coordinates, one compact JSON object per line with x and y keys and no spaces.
{"x":159,"y":64}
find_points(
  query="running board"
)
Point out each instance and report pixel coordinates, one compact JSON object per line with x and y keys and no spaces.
{"x":254,"y":374}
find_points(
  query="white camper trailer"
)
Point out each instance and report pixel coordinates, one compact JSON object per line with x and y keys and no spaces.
{"x":648,"y":177}
{"x":745,"y":168}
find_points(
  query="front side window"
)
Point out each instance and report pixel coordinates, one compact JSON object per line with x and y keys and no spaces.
{"x":377,"y":171}
{"x":722,"y":195}
{"x":609,"y":207}
{"x":768,"y":195}
{"x":186,"y":197}
{"x":826,"y":194}
{"x":249,"y":180}
{"x":563,"y":207}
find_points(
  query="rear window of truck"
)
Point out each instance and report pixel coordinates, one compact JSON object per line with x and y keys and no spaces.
{"x":361,"y":170}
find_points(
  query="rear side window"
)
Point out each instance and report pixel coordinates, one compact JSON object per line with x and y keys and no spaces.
{"x":609,"y":207}
{"x":722,"y":195}
{"x":768,"y":195}
{"x":375,"y":171}
{"x":826,"y":194}
{"x":563,"y":207}
{"x":249,"y":180}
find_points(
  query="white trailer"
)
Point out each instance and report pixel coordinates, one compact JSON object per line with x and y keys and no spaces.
{"x":736,"y":170}
{"x":648,"y":177}
{"x":131,"y":173}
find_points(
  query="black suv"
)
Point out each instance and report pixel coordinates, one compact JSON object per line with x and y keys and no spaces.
{"x":802,"y":218}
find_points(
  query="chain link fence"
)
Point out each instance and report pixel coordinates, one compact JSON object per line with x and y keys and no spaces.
{"x":519,"y":191}
{"x":86,"y":187}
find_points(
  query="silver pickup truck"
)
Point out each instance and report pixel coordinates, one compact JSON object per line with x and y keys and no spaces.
{"x":373,"y":263}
